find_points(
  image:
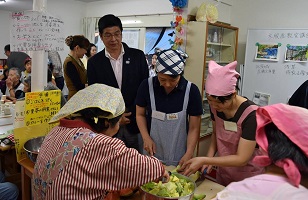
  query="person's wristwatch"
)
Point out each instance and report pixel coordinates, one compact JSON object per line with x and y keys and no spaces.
{"x":10,"y":89}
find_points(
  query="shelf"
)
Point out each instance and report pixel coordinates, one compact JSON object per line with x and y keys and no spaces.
{"x":201,"y":49}
{"x":219,"y":44}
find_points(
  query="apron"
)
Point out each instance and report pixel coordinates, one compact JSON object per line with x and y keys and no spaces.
{"x":169,"y":133}
{"x":227,"y":144}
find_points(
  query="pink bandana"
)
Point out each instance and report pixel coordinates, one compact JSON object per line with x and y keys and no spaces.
{"x":293,"y":122}
{"x":221,"y":80}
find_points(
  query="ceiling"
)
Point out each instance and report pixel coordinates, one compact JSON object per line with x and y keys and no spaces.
{"x":19,"y":5}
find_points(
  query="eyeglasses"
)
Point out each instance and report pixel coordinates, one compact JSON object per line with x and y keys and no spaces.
{"x":117,"y":34}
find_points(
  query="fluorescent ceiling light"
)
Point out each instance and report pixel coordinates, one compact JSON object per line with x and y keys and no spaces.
{"x":131,"y":22}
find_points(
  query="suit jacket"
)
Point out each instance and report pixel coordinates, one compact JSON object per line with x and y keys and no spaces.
{"x":135,"y":70}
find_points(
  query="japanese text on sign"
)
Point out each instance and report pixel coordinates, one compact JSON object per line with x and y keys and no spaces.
{"x":264,"y":69}
{"x":297,"y":35}
{"x":33,"y":31}
{"x":41,"y":106}
{"x":291,"y":70}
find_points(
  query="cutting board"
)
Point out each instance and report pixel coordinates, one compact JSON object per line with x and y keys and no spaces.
{"x":209,"y":188}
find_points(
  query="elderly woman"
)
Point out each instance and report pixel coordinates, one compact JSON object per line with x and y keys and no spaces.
{"x":282,"y":134}
{"x":14,"y":87}
{"x":169,"y":110}
{"x":79,"y":159}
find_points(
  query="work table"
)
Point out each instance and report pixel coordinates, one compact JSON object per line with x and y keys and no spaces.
{"x":207,"y":187}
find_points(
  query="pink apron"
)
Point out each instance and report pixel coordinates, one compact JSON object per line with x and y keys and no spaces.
{"x":227,"y":144}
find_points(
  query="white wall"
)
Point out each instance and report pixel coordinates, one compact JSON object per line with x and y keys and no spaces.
{"x":266,"y":14}
{"x":224,"y":9}
{"x":128,"y":8}
{"x":135,"y":8}
{"x":4,"y":32}
{"x":71,"y":12}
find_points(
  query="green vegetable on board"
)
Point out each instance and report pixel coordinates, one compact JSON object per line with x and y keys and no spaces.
{"x":199,"y":196}
{"x":176,"y":187}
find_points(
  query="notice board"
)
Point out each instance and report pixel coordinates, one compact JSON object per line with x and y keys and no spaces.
{"x":32,"y":116}
{"x":275,"y":63}
{"x":34,"y":31}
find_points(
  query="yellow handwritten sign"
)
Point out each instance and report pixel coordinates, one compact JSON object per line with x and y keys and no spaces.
{"x":41,"y":106}
{"x":23,"y":134}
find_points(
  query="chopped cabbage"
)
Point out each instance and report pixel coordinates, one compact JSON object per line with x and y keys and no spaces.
{"x":176,"y":187}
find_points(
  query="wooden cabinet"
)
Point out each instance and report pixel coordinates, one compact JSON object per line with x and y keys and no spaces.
{"x":205,"y":42}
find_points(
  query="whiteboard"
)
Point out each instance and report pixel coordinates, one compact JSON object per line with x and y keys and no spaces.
{"x":277,"y":77}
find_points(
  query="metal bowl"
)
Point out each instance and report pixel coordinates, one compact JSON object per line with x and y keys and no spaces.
{"x":147,"y":196}
{"x":32,"y":147}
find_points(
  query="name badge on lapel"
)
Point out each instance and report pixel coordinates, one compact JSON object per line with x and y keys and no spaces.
{"x":230,"y":126}
{"x":158,"y":115}
{"x":128,"y":61}
{"x":172,"y":116}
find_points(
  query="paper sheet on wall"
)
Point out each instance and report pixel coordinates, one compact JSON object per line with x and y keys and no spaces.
{"x":34,"y":31}
{"x":261,"y":99}
{"x":41,"y":106}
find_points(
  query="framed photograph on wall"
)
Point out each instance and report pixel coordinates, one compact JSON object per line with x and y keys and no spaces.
{"x":296,"y":53}
{"x":265,"y":51}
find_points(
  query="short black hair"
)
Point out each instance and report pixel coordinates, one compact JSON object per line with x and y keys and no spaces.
{"x":7,"y":48}
{"x":109,"y":21}
{"x":89,"y":114}
{"x":88,"y":54}
{"x":281,"y":147}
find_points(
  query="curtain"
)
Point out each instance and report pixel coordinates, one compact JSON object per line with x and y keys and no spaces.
{"x":88,"y":27}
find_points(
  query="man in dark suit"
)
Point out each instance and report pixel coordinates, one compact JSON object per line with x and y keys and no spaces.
{"x":121,"y":67}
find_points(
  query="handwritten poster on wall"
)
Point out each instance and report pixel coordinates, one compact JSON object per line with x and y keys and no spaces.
{"x":34,"y":31}
{"x":279,"y":79}
{"x":41,"y":106}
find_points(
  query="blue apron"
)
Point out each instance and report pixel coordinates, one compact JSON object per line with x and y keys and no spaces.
{"x":170,"y":134}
